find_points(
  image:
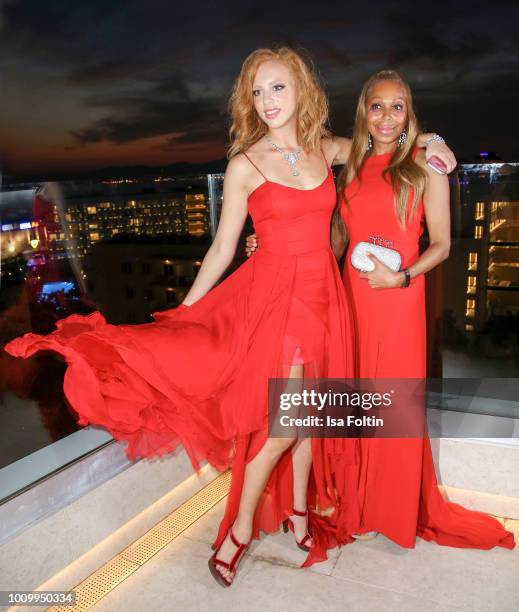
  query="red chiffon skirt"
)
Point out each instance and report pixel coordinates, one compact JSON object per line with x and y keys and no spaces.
{"x":198,"y":376}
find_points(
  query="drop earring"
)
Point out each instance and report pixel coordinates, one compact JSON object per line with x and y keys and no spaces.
{"x":370,"y":142}
{"x":402,"y":138}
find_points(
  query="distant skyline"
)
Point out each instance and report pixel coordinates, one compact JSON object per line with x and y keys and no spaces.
{"x":121,"y":82}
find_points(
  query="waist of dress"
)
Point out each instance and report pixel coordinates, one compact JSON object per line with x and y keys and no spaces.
{"x":293,"y":245}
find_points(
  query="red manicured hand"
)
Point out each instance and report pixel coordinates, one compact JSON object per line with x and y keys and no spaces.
{"x":382,"y":277}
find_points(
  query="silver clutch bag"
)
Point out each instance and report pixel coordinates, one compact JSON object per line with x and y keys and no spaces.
{"x":388,"y":256}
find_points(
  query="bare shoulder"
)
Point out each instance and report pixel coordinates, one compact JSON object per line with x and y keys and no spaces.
{"x":241,"y":176}
{"x":238,"y":169}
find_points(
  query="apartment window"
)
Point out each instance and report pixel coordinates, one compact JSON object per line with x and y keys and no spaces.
{"x":129,"y":293}
{"x":479,"y":212}
{"x":127,"y":268}
{"x":469,"y":328}
{"x":473,"y":261}
{"x":471,"y":309}
{"x":170,"y":296}
{"x":471,"y":284}
{"x":91,"y":210}
{"x":478,"y":231}
{"x":94,"y":236}
{"x":169,"y":270}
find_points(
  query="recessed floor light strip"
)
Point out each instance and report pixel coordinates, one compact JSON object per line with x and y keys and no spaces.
{"x":112,"y":573}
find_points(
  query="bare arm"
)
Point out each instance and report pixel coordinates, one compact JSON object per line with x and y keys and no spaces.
{"x":437,"y":216}
{"x":232,"y":219}
{"x":340,"y":149}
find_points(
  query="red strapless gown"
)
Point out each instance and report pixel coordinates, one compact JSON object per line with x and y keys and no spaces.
{"x":199,"y":375}
{"x":398,"y":490}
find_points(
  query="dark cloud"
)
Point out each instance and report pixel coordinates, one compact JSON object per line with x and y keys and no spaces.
{"x":127,"y":70}
{"x":147,"y":118}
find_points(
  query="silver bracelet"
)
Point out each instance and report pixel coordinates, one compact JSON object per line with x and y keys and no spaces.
{"x":434,"y":138}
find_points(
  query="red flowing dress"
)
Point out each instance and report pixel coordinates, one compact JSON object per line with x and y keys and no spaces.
{"x":199,"y":375}
{"x":398,"y":492}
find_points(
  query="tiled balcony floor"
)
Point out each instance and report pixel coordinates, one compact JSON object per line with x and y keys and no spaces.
{"x":364,"y":576}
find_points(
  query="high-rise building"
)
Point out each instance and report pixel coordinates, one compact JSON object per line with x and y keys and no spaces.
{"x":482,"y":272}
{"x":197,"y":214}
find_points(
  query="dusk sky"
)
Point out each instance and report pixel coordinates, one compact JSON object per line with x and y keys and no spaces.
{"x":90,"y":84}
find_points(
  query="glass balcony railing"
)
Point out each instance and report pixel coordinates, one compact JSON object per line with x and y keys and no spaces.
{"x":130,"y":249}
{"x":480,"y":286}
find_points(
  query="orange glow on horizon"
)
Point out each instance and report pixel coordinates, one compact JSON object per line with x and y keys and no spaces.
{"x":44,"y":157}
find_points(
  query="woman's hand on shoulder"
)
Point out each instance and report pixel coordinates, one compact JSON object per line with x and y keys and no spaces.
{"x":438,"y":149}
{"x":421,"y":159}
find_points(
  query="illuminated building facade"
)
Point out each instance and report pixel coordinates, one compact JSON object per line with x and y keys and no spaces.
{"x":482,"y":272}
{"x":197,"y":214}
{"x":90,"y":222}
{"x":481,"y":276}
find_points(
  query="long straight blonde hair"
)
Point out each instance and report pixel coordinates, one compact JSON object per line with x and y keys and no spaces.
{"x":312,"y":105}
{"x":403,"y":172}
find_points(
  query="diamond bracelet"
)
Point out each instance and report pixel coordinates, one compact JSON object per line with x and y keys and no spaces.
{"x":434,"y":138}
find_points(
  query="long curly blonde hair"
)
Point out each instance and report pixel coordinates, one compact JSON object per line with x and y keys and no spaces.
{"x":403,"y":172}
{"x":312,"y":105}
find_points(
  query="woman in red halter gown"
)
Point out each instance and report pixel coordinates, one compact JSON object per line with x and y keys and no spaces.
{"x":198,"y":375}
{"x":398,"y":490}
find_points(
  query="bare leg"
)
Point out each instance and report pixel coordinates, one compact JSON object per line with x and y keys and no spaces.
{"x":257,"y":473}
{"x":302,"y":463}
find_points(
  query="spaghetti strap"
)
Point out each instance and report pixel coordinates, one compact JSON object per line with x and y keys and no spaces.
{"x":325,"y":160}
{"x":255,"y":166}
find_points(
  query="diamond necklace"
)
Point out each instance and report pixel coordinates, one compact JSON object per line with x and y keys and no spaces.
{"x":292,"y":158}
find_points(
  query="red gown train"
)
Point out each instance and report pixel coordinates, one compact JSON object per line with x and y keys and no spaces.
{"x":398,"y":492}
{"x":199,"y":375}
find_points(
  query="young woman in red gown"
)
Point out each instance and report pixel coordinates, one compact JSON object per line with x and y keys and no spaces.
{"x":198,"y":375}
{"x":397,"y":487}
{"x":398,"y":490}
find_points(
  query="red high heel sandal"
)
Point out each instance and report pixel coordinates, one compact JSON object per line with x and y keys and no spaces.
{"x":287,"y":523}
{"x":232,"y":566}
